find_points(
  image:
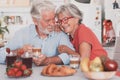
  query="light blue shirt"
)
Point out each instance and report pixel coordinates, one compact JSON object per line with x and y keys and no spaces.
{"x":49,"y":45}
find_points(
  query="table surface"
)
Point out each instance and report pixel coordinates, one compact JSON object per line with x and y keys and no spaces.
{"x":37,"y":76}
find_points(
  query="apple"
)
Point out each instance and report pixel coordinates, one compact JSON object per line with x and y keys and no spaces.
{"x":110,"y":65}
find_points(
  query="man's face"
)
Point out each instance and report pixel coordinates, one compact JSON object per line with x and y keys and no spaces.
{"x":47,"y":21}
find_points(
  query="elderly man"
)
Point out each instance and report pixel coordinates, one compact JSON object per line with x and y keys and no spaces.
{"x":41,"y":34}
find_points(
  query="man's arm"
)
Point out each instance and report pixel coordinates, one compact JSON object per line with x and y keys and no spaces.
{"x":52,"y":60}
{"x":2,"y":55}
{"x":64,"y":40}
{"x":43,"y":60}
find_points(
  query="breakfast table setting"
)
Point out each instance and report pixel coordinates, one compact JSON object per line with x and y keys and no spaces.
{"x":36,"y":75}
{"x":22,"y":68}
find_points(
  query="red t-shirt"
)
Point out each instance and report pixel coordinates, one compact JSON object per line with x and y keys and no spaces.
{"x":84,"y":34}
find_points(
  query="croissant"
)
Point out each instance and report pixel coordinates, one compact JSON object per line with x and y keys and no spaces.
{"x":54,"y":70}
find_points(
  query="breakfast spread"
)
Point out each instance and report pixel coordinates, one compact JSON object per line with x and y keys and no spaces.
{"x":55,"y":70}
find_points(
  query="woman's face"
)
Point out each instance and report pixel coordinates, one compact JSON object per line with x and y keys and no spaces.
{"x":67,"y":22}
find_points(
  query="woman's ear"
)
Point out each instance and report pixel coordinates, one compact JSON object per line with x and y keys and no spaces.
{"x":77,"y":20}
{"x":35,"y":21}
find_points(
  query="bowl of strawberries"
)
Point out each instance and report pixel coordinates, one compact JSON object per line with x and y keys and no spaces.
{"x":18,"y":69}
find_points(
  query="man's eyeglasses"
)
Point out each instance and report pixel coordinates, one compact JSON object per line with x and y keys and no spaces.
{"x":64,"y":20}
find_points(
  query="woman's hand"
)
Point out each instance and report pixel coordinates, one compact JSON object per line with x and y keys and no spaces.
{"x":39,"y":60}
{"x":63,"y":49}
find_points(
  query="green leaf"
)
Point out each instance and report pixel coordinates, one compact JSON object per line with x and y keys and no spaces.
{"x":3,"y":29}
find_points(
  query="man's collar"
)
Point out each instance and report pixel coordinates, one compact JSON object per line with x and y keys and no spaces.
{"x":51,"y":34}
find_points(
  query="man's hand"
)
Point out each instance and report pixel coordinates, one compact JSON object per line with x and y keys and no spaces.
{"x":39,"y":60}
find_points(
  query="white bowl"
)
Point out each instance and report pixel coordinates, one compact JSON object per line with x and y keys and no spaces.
{"x":100,"y":75}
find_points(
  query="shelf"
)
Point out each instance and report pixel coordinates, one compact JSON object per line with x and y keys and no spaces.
{"x":14,"y":3}
{"x":15,"y":9}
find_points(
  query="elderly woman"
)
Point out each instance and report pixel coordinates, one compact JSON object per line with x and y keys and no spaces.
{"x":83,"y":39}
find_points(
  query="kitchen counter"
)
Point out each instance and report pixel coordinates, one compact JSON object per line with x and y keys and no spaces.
{"x":37,"y":76}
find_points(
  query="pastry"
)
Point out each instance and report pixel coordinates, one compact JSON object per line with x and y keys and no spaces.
{"x":54,"y":70}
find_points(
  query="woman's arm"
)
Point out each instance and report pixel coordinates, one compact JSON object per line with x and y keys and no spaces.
{"x":85,"y":49}
{"x":66,"y":49}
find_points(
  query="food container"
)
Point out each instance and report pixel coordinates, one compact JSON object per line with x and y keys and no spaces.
{"x":27,"y":60}
{"x":100,"y":75}
{"x":10,"y":59}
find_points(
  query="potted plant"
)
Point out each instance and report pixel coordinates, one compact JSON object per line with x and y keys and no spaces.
{"x":3,"y":29}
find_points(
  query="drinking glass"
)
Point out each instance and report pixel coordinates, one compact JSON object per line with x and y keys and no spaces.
{"x":74,"y":61}
{"x":36,"y":51}
{"x":10,"y":59}
{"x":27,"y":59}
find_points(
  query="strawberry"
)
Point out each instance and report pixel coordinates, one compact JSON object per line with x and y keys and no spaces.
{"x":18,"y":64}
{"x":11,"y":72}
{"x":18,"y":73}
{"x":23,"y":67}
{"x":15,"y":69}
{"x":27,"y":72}
{"x":20,"y":52}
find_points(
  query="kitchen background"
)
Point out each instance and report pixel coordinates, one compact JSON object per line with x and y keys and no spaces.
{"x":16,"y":15}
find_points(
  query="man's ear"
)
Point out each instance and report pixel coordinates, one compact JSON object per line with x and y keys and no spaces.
{"x":35,"y":21}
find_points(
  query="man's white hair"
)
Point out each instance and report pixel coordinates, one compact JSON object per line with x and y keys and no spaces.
{"x":41,"y":5}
